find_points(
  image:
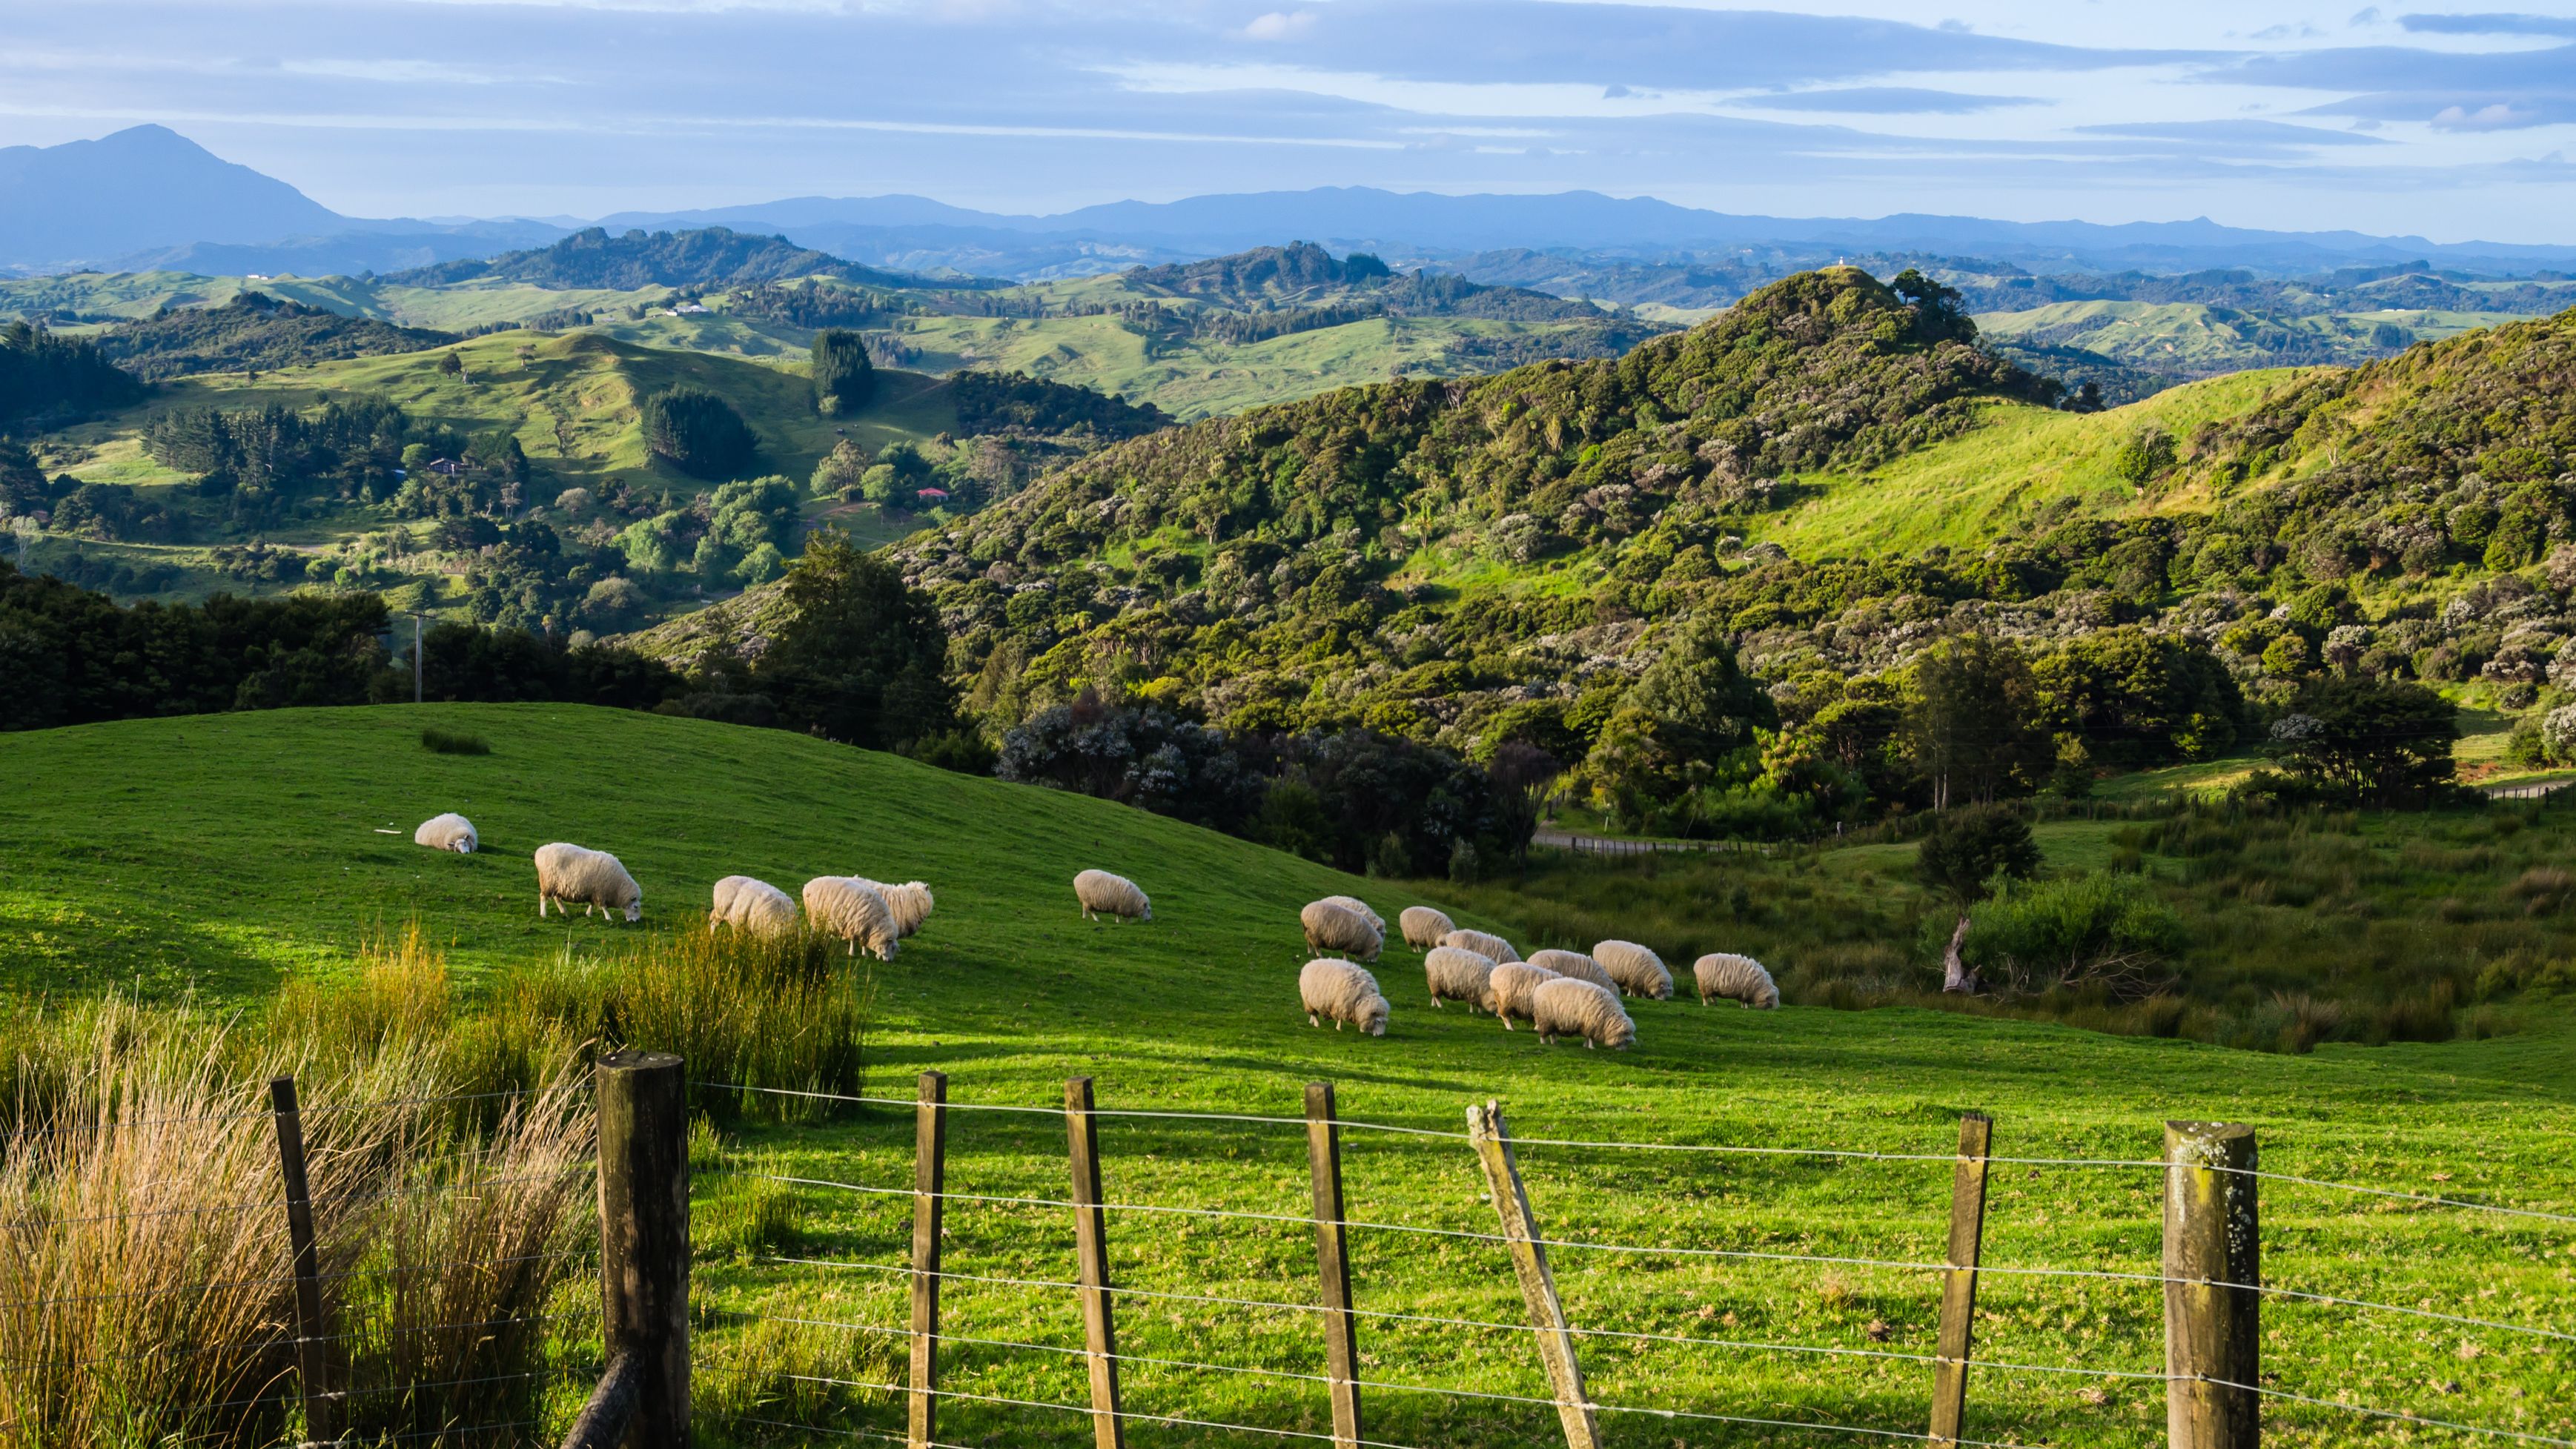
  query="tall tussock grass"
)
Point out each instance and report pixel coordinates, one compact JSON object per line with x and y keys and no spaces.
{"x":146,"y":1293}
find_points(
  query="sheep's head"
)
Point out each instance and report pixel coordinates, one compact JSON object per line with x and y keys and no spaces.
{"x":634,"y":910}
{"x":1620,"y":1034}
{"x":1373,"y":1015}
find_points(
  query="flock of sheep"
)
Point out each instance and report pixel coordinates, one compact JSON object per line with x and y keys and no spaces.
{"x":1559,"y":993}
{"x":854,"y":909}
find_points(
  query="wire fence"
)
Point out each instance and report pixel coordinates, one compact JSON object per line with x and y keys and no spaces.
{"x":995,"y":1353}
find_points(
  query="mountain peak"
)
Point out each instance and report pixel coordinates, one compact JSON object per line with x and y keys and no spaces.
{"x":132,"y":190}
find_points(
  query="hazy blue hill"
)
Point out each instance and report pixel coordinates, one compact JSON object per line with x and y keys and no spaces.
{"x":705,"y":257}
{"x":143,"y":187}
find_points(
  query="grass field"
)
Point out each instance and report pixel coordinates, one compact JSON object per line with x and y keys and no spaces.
{"x":214,"y":854}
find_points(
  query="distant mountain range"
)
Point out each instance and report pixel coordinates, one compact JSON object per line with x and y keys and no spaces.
{"x":147,"y":197}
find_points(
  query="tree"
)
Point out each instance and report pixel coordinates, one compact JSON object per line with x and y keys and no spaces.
{"x":861,"y":657}
{"x":1972,"y":722}
{"x":698,"y":431}
{"x":1693,"y":706}
{"x":843,"y":376}
{"x":1959,"y":862}
{"x":2369,"y":741}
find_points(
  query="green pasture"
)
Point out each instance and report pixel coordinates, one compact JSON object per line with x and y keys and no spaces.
{"x":214,"y":855}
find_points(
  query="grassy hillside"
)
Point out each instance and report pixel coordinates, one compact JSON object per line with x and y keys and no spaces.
{"x":2018,"y":460}
{"x":2199,"y":339}
{"x":221,"y":850}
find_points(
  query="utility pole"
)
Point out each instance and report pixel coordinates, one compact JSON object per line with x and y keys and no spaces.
{"x":416,"y":617}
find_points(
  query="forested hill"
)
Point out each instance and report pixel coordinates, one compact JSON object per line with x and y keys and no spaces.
{"x":1304,"y":277}
{"x":706,"y":257}
{"x":253,"y":332}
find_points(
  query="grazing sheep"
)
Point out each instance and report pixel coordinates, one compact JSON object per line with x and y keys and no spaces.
{"x":851,"y":909}
{"x":1723,"y":976}
{"x":1511,"y":986}
{"x":752,"y":905}
{"x":1576,"y":965}
{"x":450,"y":831}
{"x":1343,"y":992}
{"x":909,"y":903}
{"x":1423,"y":926}
{"x":568,"y":873}
{"x":1376,"y":922}
{"x":1491,"y":947}
{"x":1104,"y":894}
{"x":1332,"y":927}
{"x":1579,"y":1008}
{"x":1457,"y":975}
{"x":1639,"y":971}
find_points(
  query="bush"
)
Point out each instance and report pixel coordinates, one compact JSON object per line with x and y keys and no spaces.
{"x":1388,"y":859}
{"x":443,"y":742}
{"x":2093,"y":932}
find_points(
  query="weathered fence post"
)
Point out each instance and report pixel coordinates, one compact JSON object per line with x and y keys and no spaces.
{"x":1091,"y":1249}
{"x":1959,"y":1282}
{"x":929,"y":1184}
{"x":1333,"y":1263}
{"x":1493,"y":1144}
{"x":312,"y":1337}
{"x":2213,"y":1274}
{"x":643,"y":1254}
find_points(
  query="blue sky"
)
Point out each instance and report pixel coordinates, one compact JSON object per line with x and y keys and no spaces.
{"x":2448,"y":124}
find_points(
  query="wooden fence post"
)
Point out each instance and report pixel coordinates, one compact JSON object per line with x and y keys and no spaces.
{"x":312,"y":1336}
{"x":2213,"y":1272}
{"x":1959,"y":1282}
{"x":1493,"y":1144}
{"x":1091,"y":1249}
{"x":1333,"y":1263}
{"x":644,"y":1240}
{"x":929,"y":1183}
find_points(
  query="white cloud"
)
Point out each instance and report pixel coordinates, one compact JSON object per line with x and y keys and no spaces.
{"x":1280,"y":25}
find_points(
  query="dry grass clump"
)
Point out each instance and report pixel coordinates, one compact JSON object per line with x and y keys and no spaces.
{"x":145,"y":1288}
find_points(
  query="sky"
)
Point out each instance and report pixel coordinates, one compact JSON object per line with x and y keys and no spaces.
{"x":2448,"y":124}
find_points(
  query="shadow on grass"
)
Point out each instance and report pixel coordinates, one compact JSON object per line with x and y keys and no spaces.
{"x":58,"y":948}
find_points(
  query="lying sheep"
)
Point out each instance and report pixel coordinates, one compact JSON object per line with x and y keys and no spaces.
{"x":1723,"y":976}
{"x":1359,"y":907}
{"x":1576,"y":965}
{"x":1423,"y":926}
{"x":450,"y":831}
{"x":1510,"y":987}
{"x":752,"y":905}
{"x":1104,"y":894}
{"x":851,"y":909}
{"x":1457,"y":975}
{"x":1491,"y":947}
{"x":1334,"y":927}
{"x":1343,"y":992}
{"x":909,"y":903}
{"x":568,"y":873}
{"x":1637,"y":970}
{"x":1579,"y":1008}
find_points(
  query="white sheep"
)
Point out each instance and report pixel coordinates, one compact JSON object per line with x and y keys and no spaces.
{"x":1423,"y":926}
{"x":1334,"y":927}
{"x":450,"y":831}
{"x":1576,"y":965}
{"x":1359,"y":907}
{"x":1344,"y":992}
{"x":1511,"y":986}
{"x":568,"y":873}
{"x":1637,"y":969}
{"x":1457,"y":975}
{"x":1579,"y":1008}
{"x":752,"y":905}
{"x":1104,"y":894}
{"x":1723,"y":976}
{"x":1491,"y":947}
{"x":850,"y":908}
{"x":909,"y":903}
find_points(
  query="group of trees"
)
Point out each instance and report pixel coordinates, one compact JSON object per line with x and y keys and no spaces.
{"x":266,"y":462}
{"x":46,"y":380}
{"x":698,"y":432}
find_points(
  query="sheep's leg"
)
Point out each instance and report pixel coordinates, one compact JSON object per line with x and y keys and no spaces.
{"x":1311,"y":1021}
{"x":1435,"y":1003}
{"x":1589,"y":1043}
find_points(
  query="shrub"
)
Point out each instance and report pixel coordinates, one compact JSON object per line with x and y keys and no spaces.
{"x":2097,"y":932}
{"x":448,"y":742}
{"x":698,"y":431}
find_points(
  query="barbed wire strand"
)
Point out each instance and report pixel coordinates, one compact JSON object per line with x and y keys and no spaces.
{"x":283,"y":1340}
{"x":123,"y":1123}
{"x":213,"y":1284}
{"x":2270,"y":1393}
{"x":1391,"y":1315}
{"x":906,"y":1102}
{"x":853,"y":1432}
{"x":1087,"y":1409}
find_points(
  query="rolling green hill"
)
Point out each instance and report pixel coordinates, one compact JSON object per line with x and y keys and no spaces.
{"x":212,"y":853}
{"x":2198,"y":339}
